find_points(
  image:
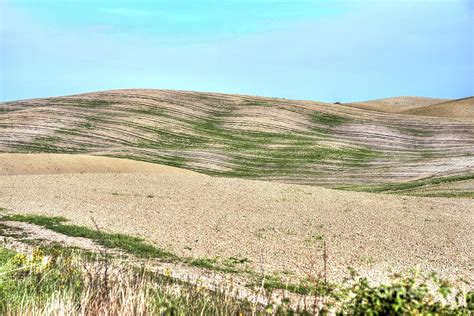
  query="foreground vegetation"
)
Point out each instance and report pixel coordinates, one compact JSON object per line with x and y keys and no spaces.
{"x":52,"y":279}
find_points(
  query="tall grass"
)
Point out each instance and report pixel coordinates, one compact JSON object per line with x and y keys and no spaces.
{"x":51,"y":281}
{"x":57,"y":284}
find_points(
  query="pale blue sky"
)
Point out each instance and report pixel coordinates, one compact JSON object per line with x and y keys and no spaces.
{"x":327,"y":50}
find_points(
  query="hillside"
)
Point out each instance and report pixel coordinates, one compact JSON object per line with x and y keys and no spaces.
{"x":37,"y":164}
{"x":463,"y":108}
{"x":248,"y":137}
{"x":397,"y":104}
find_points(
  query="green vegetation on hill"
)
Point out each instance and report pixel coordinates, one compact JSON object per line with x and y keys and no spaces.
{"x":250,"y":153}
{"x":415,"y":187}
{"x":240,"y":136}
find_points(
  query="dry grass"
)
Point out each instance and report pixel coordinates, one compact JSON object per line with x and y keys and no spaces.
{"x":58,"y":281}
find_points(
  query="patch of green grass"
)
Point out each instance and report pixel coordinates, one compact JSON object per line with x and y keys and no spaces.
{"x":46,"y":144}
{"x":304,"y":287}
{"x":87,"y":125}
{"x":211,"y":264}
{"x":129,"y":244}
{"x":6,"y":255}
{"x":315,"y":239}
{"x":328,"y":119}
{"x":450,"y":194}
{"x":151,"y":111}
{"x":406,"y":186}
{"x":228,"y":265}
{"x":427,"y":154}
{"x":289,"y":160}
{"x":165,"y":139}
{"x":133,"y":245}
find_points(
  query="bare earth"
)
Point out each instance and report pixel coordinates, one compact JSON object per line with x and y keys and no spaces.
{"x":397,"y":104}
{"x":463,"y":108}
{"x":55,"y":160}
{"x":280,"y":140}
{"x":15,"y":164}
{"x":202,"y":216}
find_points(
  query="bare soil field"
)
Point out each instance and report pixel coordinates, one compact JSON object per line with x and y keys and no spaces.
{"x":275,"y":225}
{"x":397,"y":104}
{"x":27,"y":164}
{"x":270,"y":139}
{"x":456,"y":108}
{"x":180,"y":169}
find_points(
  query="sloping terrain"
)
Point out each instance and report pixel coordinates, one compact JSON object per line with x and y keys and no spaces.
{"x":463,"y":108}
{"x":19,"y":164}
{"x":397,"y":104}
{"x":242,"y":136}
{"x":276,"y":226}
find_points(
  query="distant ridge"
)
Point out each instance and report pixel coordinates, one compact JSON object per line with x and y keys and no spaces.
{"x":396,"y":104}
{"x":461,"y":108}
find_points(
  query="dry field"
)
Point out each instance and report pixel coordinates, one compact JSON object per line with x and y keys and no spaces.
{"x":301,"y":150}
{"x":249,"y":137}
{"x":202,"y":216}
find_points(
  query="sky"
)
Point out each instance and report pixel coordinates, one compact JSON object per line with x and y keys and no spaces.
{"x":325,"y":50}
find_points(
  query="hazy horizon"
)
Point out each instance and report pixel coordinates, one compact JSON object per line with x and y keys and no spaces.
{"x":314,"y":50}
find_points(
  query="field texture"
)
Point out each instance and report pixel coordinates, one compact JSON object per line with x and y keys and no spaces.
{"x":280,"y":227}
{"x":302,"y":142}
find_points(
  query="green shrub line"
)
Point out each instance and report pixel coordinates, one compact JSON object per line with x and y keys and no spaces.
{"x":327,"y":119}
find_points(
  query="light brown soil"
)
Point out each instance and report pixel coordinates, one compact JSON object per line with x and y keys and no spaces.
{"x":397,"y":104}
{"x":16,"y":164}
{"x":198,"y":215}
{"x":166,"y":127}
{"x":463,"y":108}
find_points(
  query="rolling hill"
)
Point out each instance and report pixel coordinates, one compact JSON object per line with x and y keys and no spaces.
{"x":462,"y":108}
{"x":303,"y":142}
{"x":397,"y":104}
